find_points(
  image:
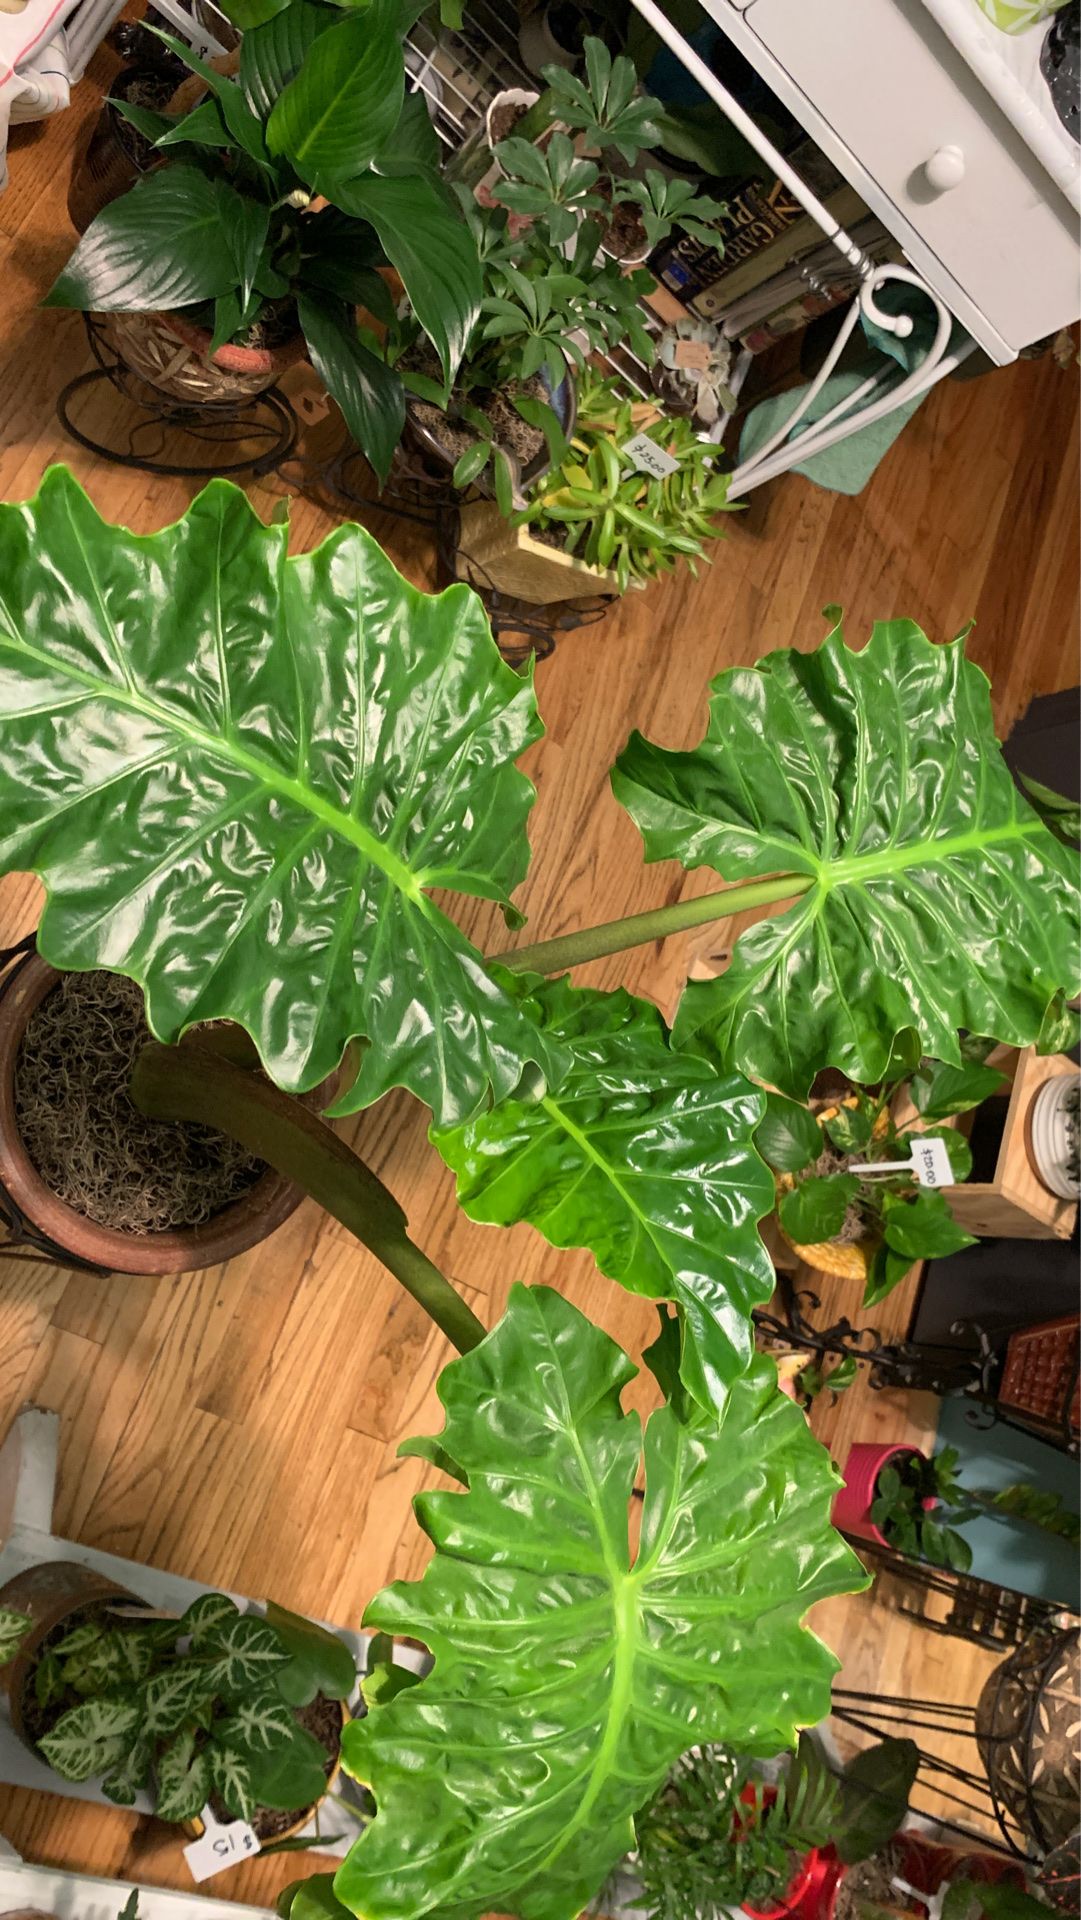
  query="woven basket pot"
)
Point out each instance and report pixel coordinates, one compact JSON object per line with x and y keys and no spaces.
{"x":173,"y":356}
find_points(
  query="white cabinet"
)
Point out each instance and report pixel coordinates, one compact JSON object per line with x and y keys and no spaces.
{"x":898,"y":108}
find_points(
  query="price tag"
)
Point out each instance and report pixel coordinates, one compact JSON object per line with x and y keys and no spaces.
{"x":931,"y":1162}
{"x":648,"y":457}
{"x":219,"y":1846}
{"x":692,"y":353}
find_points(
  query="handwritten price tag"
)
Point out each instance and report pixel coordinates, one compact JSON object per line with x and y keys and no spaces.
{"x":692,"y":353}
{"x":931,"y":1162}
{"x":219,"y":1846}
{"x":648,"y":457}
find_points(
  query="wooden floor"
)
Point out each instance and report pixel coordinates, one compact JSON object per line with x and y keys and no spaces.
{"x":240,"y":1425}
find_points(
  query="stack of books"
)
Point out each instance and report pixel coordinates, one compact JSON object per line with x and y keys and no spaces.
{"x":771,"y":270}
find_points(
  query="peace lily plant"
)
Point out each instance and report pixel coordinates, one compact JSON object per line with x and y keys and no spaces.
{"x":241,"y":777}
{"x":284,"y":190}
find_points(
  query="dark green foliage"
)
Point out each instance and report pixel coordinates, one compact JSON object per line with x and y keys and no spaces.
{"x":191,"y":1707}
{"x":227,"y":225}
{"x":930,"y":1533}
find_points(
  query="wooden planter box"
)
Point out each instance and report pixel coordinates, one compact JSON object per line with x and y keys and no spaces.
{"x":1014,"y":1204}
{"x":492,"y":553}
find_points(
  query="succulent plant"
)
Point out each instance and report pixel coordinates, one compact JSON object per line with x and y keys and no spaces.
{"x":617,"y":517}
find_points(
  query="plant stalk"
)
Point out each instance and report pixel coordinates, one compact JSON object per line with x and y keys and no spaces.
{"x":196,"y":1083}
{"x":638,"y":929}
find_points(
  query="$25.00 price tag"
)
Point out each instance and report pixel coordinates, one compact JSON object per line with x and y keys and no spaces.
{"x":648,"y":457}
{"x":219,"y":1846}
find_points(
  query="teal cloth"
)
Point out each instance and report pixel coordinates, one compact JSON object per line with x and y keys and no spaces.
{"x":848,"y":465}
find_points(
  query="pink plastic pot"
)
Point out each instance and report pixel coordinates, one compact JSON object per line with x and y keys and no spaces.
{"x":852,"y":1506}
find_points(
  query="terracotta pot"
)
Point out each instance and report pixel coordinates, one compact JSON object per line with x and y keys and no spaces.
{"x":173,"y":356}
{"x":50,"y":1593}
{"x":809,"y":1873}
{"x":851,"y":1509}
{"x":237,"y":1227}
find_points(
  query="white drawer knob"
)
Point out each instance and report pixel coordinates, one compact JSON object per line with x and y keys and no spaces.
{"x":945,"y":169}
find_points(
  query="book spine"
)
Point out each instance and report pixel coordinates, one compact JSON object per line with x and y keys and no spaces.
{"x":754,"y":217}
{"x":794,"y":316}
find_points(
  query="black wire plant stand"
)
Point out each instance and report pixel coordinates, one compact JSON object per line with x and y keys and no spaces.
{"x":1004,"y":1727}
{"x":265,"y":421}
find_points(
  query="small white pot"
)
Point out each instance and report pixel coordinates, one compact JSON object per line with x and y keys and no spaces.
{"x":507,"y":97}
{"x":1051,"y":1123}
{"x":538,"y":45}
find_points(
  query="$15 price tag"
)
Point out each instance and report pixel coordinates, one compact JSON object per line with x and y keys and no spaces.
{"x":219,"y":1846}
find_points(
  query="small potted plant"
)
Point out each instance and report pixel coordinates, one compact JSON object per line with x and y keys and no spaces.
{"x":716,"y":1837}
{"x":899,"y":1498}
{"x":599,"y":522}
{"x":273,"y":205}
{"x":553,"y":291}
{"x":871,"y":1226}
{"x":1054,"y":1128}
{"x":233,"y":1710}
{"x":100,"y":1180}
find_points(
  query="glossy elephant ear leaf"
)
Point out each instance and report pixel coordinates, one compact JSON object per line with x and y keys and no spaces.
{"x":939,"y":900}
{"x":239,"y":776}
{"x":567,"y":1679}
{"x":646,"y":1157}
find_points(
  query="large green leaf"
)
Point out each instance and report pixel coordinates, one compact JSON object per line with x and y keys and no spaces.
{"x":319,"y":1662}
{"x":14,"y":1628}
{"x":344,"y":102}
{"x":937,"y":897}
{"x":91,"y":1737}
{"x":369,"y":393}
{"x":425,"y":237}
{"x":643,"y":1155}
{"x":164,"y":244}
{"x":244,"y":124}
{"x":240,"y":776}
{"x":569,"y":1678}
{"x":272,"y":53}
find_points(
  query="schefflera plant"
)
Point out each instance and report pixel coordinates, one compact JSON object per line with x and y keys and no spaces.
{"x":242,"y":777}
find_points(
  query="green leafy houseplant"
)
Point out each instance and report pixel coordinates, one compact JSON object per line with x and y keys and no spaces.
{"x":919,"y":1504}
{"x":819,"y":1154}
{"x":617,"y":518}
{"x":283,"y":192}
{"x":715,"y":1837}
{"x":311,"y":749}
{"x":189,"y":1708}
{"x":552,"y":294}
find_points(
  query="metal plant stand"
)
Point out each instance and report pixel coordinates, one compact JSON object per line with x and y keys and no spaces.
{"x":977,"y":1611}
{"x":265,"y":419}
{"x":1008,"y":1726}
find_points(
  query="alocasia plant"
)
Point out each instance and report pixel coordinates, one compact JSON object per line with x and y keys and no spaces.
{"x":311,"y":748}
{"x":241,"y":776}
{"x":234,"y":224}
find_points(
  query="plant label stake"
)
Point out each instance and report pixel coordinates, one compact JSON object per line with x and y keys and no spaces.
{"x":929,"y":1165}
{"x":648,"y":457}
{"x":219,"y":1846}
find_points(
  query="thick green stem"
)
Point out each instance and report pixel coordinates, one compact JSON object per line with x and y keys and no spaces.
{"x":195,"y":1083}
{"x":553,"y":956}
